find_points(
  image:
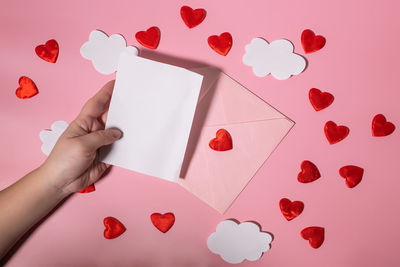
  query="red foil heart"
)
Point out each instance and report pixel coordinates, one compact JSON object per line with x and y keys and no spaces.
{"x":48,"y":51}
{"x":163,"y":222}
{"x":309,"y":172}
{"x":319,"y":100}
{"x":289,"y":209}
{"x":27,"y":88}
{"x":114,"y":228}
{"x":191,"y":17}
{"x":221,"y":44}
{"x":149,"y":38}
{"x":335,"y":133}
{"x":88,"y":189}
{"x":311,"y":42}
{"x":315,"y":235}
{"x":381,"y":127}
{"x":352,"y":174}
{"x":222,"y":141}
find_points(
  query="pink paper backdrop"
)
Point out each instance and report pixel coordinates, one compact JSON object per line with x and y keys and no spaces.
{"x":359,"y":65}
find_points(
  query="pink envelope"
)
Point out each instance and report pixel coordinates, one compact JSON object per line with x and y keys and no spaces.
{"x":256,"y":128}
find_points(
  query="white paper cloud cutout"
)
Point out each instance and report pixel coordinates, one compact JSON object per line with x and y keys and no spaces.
{"x":104,"y":51}
{"x":238,"y":242}
{"x":49,"y":137}
{"x":276,"y":58}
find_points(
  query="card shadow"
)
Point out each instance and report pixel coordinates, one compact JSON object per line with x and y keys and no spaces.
{"x":210,"y":80}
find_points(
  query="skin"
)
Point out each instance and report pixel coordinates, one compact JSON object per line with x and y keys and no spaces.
{"x":71,"y":166}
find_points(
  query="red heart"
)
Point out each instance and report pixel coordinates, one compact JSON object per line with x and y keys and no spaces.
{"x":222,"y":141}
{"x":335,"y":133}
{"x":48,"y":51}
{"x":27,"y":88}
{"x":315,"y":235}
{"x":191,"y":17}
{"x":221,"y":44}
{"x":352,"y":174}
{"x":114,"y":228}
{"x":309,"y":172}
{"x":311,"y":42}
{"x":289,"y":209}
{"x":319,"y":100}
{"x":88,"y":189}
{"x":163,"y":222}
{"x":381,"y":127}
{"x":149,"y":38}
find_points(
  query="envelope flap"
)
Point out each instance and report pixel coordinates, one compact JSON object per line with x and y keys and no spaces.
{"x":241,"y":105}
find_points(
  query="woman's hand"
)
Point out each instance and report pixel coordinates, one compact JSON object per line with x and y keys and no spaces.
{"x":72,"y":164}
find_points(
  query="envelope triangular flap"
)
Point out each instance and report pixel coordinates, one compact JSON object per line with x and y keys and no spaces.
{"x":238,"y":104}
{"x":236,"y":98}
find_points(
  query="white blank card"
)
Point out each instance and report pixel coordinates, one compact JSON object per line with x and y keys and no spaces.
{"x":153,"y":104}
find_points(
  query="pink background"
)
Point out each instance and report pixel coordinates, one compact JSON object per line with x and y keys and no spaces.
{"x":358,"y":65}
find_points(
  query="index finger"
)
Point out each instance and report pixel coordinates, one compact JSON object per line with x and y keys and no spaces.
{"x":98,"y":104}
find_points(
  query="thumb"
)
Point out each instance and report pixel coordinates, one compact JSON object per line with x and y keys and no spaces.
{"x":97,"y":139}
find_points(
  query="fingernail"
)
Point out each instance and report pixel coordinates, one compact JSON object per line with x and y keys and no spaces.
{"x":117,"y":134}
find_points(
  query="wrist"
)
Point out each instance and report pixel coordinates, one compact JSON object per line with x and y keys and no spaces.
{"x":50,"y":180}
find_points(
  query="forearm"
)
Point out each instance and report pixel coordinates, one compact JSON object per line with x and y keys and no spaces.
{"x":23,"y":204}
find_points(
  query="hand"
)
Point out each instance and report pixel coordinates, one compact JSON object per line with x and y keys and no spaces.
{"x":72,"y":164}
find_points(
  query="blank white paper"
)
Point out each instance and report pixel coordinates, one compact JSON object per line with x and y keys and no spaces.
{"x":153,"y":104}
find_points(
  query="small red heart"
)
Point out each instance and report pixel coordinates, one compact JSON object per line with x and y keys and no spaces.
{"x":315,"y":235}
{"x":335,"y":133}
{"x":309,"y":172}
{"x":163,"y":222}
{"x":319,"y":100}
{"x":352,"y":174}
{"x":222,"y":141}
{"x":114,"y":228}
{"x":149,"y":38}
{"x":221,"y":44}
{"x":191,"y":17}
{"x":381,"y":127}
{"x":27,"y":88}
{"x":88,"y":189}
{"x":289,"y":209}
{"x":311,"y":42}
{"x":48,"y":51}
